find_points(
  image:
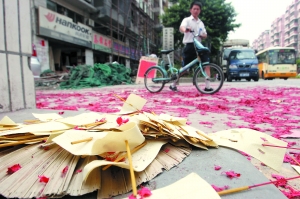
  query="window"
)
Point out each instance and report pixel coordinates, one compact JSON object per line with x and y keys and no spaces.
{"x":262,"y":58}
{"x":51,"y":6}
{"x":282,"y":56}
{"x":64,"y":11}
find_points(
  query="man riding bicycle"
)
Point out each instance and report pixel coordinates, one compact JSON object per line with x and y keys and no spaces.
{"x":195,"y":24}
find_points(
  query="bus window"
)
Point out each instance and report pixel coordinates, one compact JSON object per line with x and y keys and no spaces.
{"x":282,"y":57}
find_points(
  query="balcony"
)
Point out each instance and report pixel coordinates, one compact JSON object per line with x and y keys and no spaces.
{"x":276,"y":37}
{"x":291,"y":43}
{"x":276,"y":43}
{"x":293,"y":40}
{"x":293,"y":33}
{"x":286,"y":37}
{"x":286,"y":29}
{"x":292,"y":17}
{"x":292,"y":9}
{"x":293,"y":25}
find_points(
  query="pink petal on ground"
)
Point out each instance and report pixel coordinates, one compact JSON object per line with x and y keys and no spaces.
{"x":144,"y":192}
{"x":231,"y":174}
{"x":220,"y":188}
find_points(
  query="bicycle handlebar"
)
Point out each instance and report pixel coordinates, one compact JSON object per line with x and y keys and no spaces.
{"x":192,"y":31}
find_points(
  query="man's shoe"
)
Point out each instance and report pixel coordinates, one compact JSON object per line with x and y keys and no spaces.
{"x":173,"y":88}
{"x":208,"y":89}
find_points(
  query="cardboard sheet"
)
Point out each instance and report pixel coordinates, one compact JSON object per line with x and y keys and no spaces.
{"x":250,"y":142}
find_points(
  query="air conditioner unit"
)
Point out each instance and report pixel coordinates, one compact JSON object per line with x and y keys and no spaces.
{"x":91,"y":22}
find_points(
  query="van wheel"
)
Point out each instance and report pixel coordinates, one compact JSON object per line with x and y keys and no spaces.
{"x":229,"y":78}
{"x":285,"y":78}
{"x":248,"y":79}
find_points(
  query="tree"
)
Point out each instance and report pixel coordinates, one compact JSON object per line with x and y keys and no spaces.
{"x":218,"y":17}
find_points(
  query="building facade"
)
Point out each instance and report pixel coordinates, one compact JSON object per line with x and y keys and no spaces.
{"x":75,"y":32}
{"x":284,"y":30}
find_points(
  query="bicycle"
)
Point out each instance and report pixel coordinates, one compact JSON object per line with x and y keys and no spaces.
{"x":156,"y":77}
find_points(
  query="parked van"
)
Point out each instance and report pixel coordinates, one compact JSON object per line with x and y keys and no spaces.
{"x":242,"y":63}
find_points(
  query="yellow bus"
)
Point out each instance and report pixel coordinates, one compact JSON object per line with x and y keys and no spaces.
{"x":277,"y":62}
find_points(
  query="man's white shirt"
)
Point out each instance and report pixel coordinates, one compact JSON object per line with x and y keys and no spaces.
{"x":194,"y":25}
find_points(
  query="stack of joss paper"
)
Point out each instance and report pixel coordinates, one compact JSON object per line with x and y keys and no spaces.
{"x":87,"y":152}
{"x":8,"y":137}
{"x":175,"y":129}
{"x":53,"y":156}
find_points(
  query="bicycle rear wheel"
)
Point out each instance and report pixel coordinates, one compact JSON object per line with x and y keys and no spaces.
{"x":152,"y":85}
{"x":213,"y":83}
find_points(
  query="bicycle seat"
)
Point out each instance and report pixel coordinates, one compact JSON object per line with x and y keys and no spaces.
{"x":200,"y":47}
{"x":166,"y":51}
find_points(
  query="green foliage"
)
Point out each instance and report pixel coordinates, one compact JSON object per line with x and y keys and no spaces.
{"x":84,"y":76}
{"x":298,"y":62}
{"x":217,"y":16}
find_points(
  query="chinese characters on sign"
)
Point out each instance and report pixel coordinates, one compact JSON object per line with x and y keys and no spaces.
{"x":121,"y":49}
{"x":101,"y":43}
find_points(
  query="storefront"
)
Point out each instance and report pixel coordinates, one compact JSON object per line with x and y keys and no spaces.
{"x":69,"y":43}
{"x":121,"y":53}
{"x":102,"y":47}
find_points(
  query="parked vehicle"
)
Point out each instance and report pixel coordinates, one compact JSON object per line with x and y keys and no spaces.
{"x":277,"y":62}
{"x":35,"y":64}
{"x":226,"y":48}
{"x":242,"y":63}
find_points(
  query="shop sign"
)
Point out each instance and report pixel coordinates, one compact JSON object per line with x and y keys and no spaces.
{"x":60,"y":27}
{"x":132,"y":53}
{"x":120,"y":49}
{"x":101,"y":43}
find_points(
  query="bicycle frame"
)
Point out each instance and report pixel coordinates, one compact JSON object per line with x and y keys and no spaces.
{"x":174,"y":70}
{"x":207,"y":77}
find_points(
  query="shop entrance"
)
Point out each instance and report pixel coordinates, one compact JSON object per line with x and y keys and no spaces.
{"x":64,"y":56}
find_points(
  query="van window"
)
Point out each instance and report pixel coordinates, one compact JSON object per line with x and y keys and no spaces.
{"x":242,"y":54}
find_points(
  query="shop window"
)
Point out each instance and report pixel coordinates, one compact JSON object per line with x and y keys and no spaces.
{"x":69,"y":13}
{"x":62,"y":10}
{"x":78,"y":18}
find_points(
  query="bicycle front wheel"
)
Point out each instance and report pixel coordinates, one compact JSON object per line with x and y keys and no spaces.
{"x":151,"y":79}
{"x":212,"y":83}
